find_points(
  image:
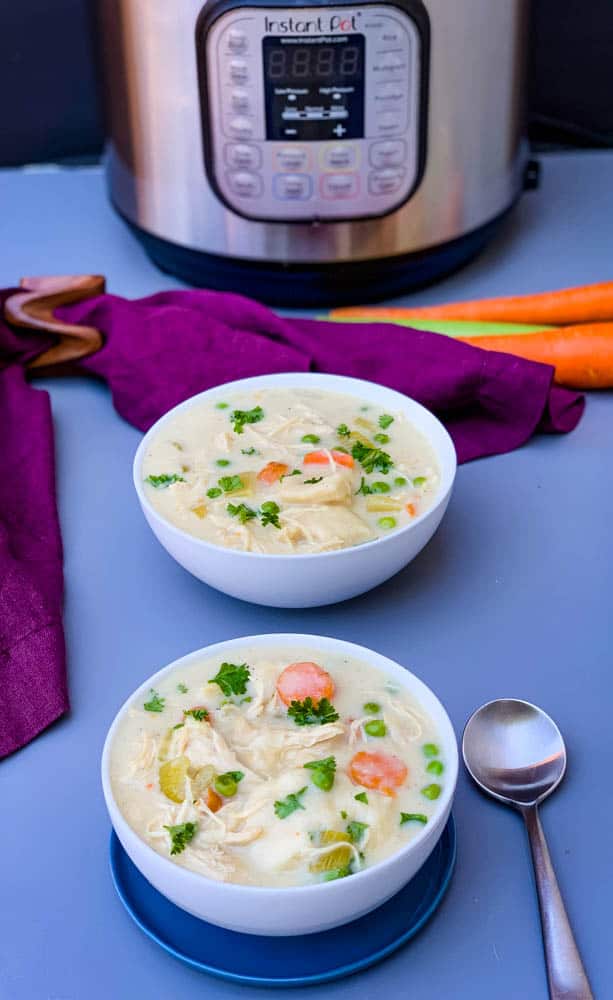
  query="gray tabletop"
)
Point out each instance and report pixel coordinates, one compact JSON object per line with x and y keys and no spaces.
{"x":512,"y":597}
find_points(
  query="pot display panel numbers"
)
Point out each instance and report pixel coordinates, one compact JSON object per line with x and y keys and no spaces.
{"x":313,"y":113}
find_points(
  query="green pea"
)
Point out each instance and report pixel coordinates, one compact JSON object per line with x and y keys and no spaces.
{"x":431,"y":791}
{"x":380,"y":487}
{"x":225,"y":785}
{"x":222,"y":462}
{"x":435,"y":767}
{"x":382,"y":438}
{"x":222,"y":406}
{"x":323,"y":779}
{"x":400,"y":481}
{"x":310,"y":439}
{"x":430,"y":750}
{"x":376,"y":727}
{"x":214,"y":492}
{"x":412,"y":818}
{"x":372,"y":708}
{"x":419,"y":481}
{"x":387,"y":522}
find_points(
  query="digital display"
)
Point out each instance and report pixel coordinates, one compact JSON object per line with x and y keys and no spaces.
{"x":314,"y":87}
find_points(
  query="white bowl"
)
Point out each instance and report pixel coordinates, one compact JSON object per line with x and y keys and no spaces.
{"x":304,"y":581}
{"x":303,"y":909}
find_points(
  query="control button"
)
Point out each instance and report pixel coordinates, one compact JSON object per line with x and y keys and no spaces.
{"x":339,"y":130}
{"x":340,"y":156}
{"x":237,"y":40}
{"x":390,"y":92}
{"x":390,"y":36}
{"x":389,"y":62}
{"x":292,"y":187}
{"x":388,"y":154}
{"x":241,"y":127}
{"x":239,"y":99}
{"x":385,"y":181}
{"x":239,"y":71}
{"x":292,"y":158}
{"x":388,"y":121}
{"x":240,"y":156}
{"x":244,"y":184}
{"x":340,"y":185}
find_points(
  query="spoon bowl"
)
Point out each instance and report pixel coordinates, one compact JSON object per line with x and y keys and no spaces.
{"x":514,"y":751}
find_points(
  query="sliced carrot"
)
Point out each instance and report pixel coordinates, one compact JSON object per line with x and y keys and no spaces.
{"x":411,"y":509}
{"x":149,"y":786}
{"x":581,"y":355}
{"x":305,"y":680}
{"x":213,"y":800}
{"x":321,"y":458}
{"x":272,"y":472}
{"x":383,"y":772}
{"x":584,"y":304}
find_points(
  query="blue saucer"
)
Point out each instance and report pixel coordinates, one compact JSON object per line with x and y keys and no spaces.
{"x":286,"y":961}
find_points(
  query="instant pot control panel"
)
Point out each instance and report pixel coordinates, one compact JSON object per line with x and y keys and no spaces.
{"x":313,"y":113}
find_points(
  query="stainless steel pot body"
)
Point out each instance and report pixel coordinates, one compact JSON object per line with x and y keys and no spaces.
{"x":474,"y":160}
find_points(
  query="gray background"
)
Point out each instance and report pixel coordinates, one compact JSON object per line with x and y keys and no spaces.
{"x":49,"y":84}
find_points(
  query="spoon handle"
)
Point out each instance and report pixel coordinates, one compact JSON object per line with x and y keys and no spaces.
{"x":565,"y":973}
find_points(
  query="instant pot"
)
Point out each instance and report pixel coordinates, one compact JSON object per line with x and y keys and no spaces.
{"x":314,"y":154}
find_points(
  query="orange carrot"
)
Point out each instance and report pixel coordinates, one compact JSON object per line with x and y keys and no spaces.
{"x":212,"y":800}
{"x":383,"y":772}
{"x":581,"y":355}
{"x":272,"y":472}
{"x":411,"y":509}
{"x":566,"y":306}
{"x":321,"y":458}
{"x":305,"y":680}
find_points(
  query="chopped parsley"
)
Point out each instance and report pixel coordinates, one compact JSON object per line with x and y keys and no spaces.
{"x":343,"y":814}
{"x":343,"y":431}
{"x":412,"y":818}
{"x":249,"y":451}
{"x":382,"y":438}
{"x":155,"y":703}
{"x":241,"y":417}
{"x":230,"y":483}
{"x":285,"y":807}
{"x":361,"y":797}
{"x":232,"y":678}
{"x":311,"y":482}
{"x":294,"y":472}
{"x":310,"y":439}
{"x":222,"y":462}
{"x":371,"y":459}
{"x":364,"y":489}
{"x":241,"y":511}
{"x":161,"y":482}
{"x":269,"y":514}
{"x":356,"y":831}
{"x":323,"y":772}
{"x":181,"y":688}
{"x":180,"y":836}
{"x":305,"y":713}
{"x":198,"y":713}
{"x":214,"y":492}
{"x":385,"y":420}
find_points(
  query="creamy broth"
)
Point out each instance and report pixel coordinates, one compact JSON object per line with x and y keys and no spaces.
{"x":242,"y":779}
{"x":289,"y":471}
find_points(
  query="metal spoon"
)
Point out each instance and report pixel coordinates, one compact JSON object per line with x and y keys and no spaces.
{"x":516,"y":753}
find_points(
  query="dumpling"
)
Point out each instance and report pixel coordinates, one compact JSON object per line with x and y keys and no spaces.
{"x":331,"y":527}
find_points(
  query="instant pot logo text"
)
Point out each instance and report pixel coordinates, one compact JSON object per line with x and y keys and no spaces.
{"x":313,"y":26}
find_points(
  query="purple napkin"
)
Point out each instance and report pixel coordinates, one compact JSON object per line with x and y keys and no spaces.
{"x":161,"y":350}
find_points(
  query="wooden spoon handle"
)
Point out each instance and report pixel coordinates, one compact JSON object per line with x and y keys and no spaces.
{"x":33,"y":309}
